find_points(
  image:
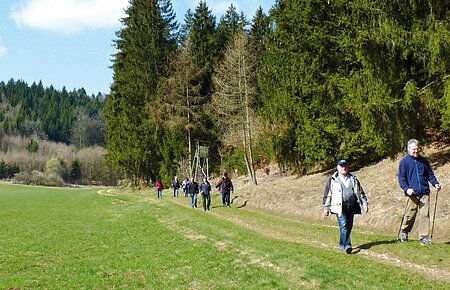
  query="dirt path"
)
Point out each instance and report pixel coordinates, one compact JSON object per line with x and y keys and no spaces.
{"x":285,"y":235}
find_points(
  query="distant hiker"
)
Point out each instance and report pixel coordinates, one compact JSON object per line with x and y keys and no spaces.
{"x":225,"y":186}
{"x":184,"y":185}
{"x":414,"y":176}
{"x":159,"y":188}
{"x":205,"y":190}
{"x":345,"y":197}
{"x":192,"y":188}
{"x":176,"y":186}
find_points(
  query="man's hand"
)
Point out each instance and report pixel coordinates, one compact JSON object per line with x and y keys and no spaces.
{"x":410,"y":191}
{"x":326,"y":212}
{"x":366,"y":208}
{"x":438,"y":187}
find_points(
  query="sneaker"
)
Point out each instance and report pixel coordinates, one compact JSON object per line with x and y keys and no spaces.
{"x":425,"y":241}
{"x":404,"y":237}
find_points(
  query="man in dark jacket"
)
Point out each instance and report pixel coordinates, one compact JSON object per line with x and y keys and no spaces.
{"x":205,"y":189}
{"x":225,"y":186}
{"x":193,"y":192}
{"x":414,"y":176}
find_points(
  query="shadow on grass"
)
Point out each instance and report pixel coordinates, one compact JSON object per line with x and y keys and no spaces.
{"x":370,"y":245}
{"x":244,"y":204}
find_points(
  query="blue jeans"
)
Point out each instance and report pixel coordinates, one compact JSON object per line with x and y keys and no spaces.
{"x":194,"y":200}
{"x":159,"y":192}
{"x":345,"y":222}
{"x":175,"y":192}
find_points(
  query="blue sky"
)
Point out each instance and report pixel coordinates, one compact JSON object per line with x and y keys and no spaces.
{"x":68,"y":43}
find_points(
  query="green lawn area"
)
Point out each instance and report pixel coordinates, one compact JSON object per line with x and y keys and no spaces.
{"x":77,"y":238}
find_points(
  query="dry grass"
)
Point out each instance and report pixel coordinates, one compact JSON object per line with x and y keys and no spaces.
{"x":302,"y":196}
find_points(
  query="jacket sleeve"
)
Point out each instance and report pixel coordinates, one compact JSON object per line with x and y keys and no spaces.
{"x":326,"y":193}
{"x":403,"y":176}
{"x":363,"y":194}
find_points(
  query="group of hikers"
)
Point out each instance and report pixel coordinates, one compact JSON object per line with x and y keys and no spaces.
{"x":192,"y":189}
{"x":344,"y":196}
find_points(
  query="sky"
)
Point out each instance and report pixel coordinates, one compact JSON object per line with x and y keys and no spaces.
{"x":69,"y":43}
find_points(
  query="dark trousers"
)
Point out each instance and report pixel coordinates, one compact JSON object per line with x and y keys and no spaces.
{"x":206,"y":201}
{"x":226,"y":198}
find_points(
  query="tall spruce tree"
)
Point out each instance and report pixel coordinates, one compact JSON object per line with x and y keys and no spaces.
{"x":228,"y":25}
{"x":132,"y":135}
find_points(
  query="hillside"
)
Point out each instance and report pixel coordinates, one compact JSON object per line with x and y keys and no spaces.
{"x":301,"y":197}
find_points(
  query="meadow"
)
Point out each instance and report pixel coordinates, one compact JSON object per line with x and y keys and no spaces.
{"x":103,"y":238}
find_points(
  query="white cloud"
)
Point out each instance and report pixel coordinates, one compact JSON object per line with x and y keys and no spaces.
{"x":3,"y":49}
{"x":69,"y":16}
{"x":220,"y":7}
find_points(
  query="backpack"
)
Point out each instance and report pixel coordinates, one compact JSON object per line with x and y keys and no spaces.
{"x":227,"y":183}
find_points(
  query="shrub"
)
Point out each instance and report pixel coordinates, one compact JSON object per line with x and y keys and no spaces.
{"x":55,"y":166}
{"x":22,"y":178}
{"x":75,"y":171}
{"x":32,"y":146}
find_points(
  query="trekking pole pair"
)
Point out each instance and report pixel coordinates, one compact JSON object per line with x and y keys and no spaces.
{"x":434,"y":215}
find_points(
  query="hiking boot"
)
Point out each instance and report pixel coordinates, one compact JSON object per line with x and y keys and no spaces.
{"x":425,"y":241}
{"x":404,"y":237}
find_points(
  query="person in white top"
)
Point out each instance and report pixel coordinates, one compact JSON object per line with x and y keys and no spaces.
{"x":345,"y":197}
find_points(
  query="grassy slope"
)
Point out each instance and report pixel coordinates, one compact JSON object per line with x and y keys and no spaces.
{"x":77,"y":238}
{"x":302,"y":197}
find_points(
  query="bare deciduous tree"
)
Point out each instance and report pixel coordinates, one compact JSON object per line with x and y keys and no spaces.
{"x":233,"y":98}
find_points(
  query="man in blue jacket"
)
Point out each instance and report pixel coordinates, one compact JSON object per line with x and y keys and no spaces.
{"x":414,"y":176}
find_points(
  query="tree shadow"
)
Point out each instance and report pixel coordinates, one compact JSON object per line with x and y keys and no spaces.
{"x":370,"y":245}
{"x":244,"y":204}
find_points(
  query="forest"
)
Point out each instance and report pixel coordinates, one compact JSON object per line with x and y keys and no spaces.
{"x":307,"y":83}
{"x":301,"y":85}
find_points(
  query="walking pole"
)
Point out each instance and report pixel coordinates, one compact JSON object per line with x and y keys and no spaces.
{"x":403,"y":218}
{"x":434,"y":213}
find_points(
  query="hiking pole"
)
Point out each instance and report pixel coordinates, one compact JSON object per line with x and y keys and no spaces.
{"x":434,"y":213}
{"x":403,"y":218}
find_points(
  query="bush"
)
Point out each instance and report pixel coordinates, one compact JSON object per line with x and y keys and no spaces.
{"x":32,"y":146}
{"x":22,"y":178}
{"x":75,"y":171}
{"x":38,"y":178}
{"x":55,"y":166}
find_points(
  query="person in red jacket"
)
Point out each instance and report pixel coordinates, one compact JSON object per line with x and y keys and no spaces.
{"x":159,"y":188}
{"x":226,"y":187}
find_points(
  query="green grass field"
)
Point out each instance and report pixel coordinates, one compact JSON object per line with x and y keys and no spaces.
{"x":57,"y":238}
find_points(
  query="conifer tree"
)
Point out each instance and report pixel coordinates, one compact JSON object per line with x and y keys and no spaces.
{"x":132,"y":135}
{"x":181,"y":99}
{"x":228,"y":25}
